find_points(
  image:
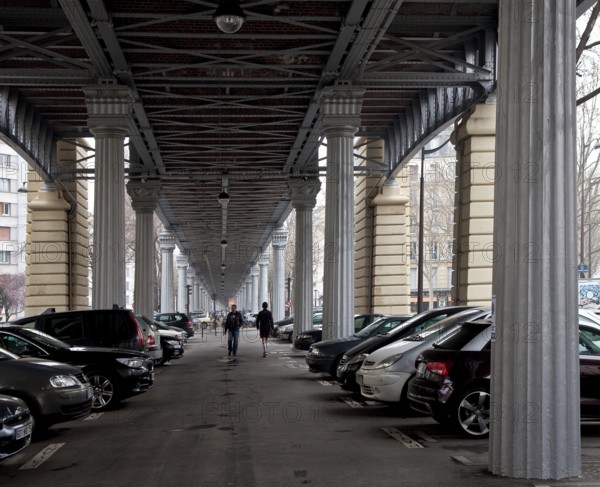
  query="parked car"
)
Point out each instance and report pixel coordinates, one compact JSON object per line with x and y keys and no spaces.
{"x":181,"y":334}
{"x":53,"y":392}
{"x":308,"y":337}
{"x":352,"y":360}
{"x":178,"y":320}
{"x":281,"y":323}
{"x":114,"y":374}
{"x":200,"y":318}
{"x":286,"y":332}
{"x":16,"y":426}
{"x":325,"y":356}
{"x":112,"y":328}
{"x":386,"y":371}
{"x":452,"y":383}
{"x":171,"y":339}
{"x":152,"y":338}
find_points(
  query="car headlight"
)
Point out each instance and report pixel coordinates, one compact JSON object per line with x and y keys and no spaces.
{"x":173,"y":343}
{"x":134,"y":363}
{"x":314,"y":351}
{"x":358,"y":358}
{"x":391,"y":360}
{"x":306,"y":337}
{"x":60,"y":381}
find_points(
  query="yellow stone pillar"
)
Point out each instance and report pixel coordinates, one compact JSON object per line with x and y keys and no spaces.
{"x":475,"y":142}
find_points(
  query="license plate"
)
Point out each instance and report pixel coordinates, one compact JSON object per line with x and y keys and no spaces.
{"x":421,"y":369}
{"x":22,"y":432}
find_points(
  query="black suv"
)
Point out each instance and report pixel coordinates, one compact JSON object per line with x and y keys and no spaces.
{"x":114,"y":328}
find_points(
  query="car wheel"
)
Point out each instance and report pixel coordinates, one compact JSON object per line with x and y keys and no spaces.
{"x":472,"y":413}
{"x":106,"y":390}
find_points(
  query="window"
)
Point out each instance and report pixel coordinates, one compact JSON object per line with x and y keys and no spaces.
{"x":5,"y":207}
{"x":4,"y":184}
{"x":413,"y":278}
{"x":433,"y":250}
{"x":4,"y":233}
{"x":4,"y":160}
{"x":413,"y":251}
{"x":4,"y":257}
{"x":434,"y":277}
{"x":589,"y":341}
{"x":449,"y":277}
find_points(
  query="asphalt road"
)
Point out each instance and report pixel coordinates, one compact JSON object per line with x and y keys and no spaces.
{"x":214,"y":422}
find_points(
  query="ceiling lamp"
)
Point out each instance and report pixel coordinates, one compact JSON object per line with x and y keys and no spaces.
{"x":223,"y":267}
{"x":223,"y":199}
{"x":223,"y":243}
{"x":229,"y":16}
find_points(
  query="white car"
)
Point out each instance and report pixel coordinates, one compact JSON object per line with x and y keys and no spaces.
{"x":385,"y":372}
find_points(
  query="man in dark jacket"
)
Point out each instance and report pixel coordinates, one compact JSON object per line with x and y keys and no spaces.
{"x":264,"y":323}
{"x":233,"y":323}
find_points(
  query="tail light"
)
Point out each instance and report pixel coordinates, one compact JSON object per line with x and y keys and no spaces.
{"x":438,"y":370}
{"x":189,"y":324}
{"x":151,"y":341}
{"x":140,"y":334}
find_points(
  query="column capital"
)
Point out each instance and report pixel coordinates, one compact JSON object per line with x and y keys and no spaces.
{"x":390,"y":194}
{"x":280,"y":237}
{"x":304,"y":192}
{"x":166,"y":238}
{"x":49,"y":198}
{"x":249,"y":280}
{"x":144,"y":195}
{"x":479,"y":120}
{"x":192,"y":272}
{"x":254,"y":271}
{"x":341,"y":105}
{"x":182,"y":261}
{"x":109,"y":107}
{"x":265,"y":258}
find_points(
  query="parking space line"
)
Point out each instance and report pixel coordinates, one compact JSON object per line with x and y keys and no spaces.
{"x":326,"y":382}
{"x":42,"y":456}
{"x":352,"y":403}
{"x":407,"y":441}
{"x":93,"y":417}
{"x":425,"y":437}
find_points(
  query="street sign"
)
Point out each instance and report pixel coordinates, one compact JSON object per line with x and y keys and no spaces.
{"x":582,"y":268}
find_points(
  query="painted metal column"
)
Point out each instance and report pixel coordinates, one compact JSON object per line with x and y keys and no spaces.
{"x":166,"y":239}
{"x":144,"y":197}
{"x":248,"y":304}
{"x":255,"y":306}
{"x":182,"y":265}
{"x":304,"y":198}
{"x":279,"y":241}
{"x":190,"y":275}
{"x":109,"y":109}
{"x":196,"y":293}
{"x":263,"y":278}
{"x":341,"y":106}
{"x":535,"y":429}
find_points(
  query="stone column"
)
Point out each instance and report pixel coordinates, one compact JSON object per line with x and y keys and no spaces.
{"x":182,"y":293}
{"x":304,"y":198}
{"x":197,"y":305}
{"x":475,"y":142}
{"x":190,"y":282}
{"x":341,"y":106}
{"x":280,"y":238}
{"x":248,"y":304}
{"x":166,"y":239}
{"x":535,"y":424}
{"x":263,"y":279}
{"x":390,"y":289}
{"x":109,"y":109}
{"x":47,"y":282}
{"x":144,"y":197}
{"x":255,"y":305}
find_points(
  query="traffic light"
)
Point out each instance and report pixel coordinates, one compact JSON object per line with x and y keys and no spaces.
{"x":189,"y":289}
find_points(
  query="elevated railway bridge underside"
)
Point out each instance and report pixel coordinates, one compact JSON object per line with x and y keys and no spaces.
{"x":224,"y":131}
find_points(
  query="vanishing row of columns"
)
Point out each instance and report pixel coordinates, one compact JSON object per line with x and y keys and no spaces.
{"x":535,"y":372}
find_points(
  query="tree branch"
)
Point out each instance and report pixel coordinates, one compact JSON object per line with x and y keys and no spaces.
{"x":582,"y":46}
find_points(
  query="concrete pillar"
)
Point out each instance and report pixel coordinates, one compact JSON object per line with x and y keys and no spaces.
{"x":535,"y":426}
{"x":263,"y":278}
{"x":248,"y":303}
{"x":189,"y":276}
{"x":304,"y":198}
{"x":255,"y":306}
{"x":166,"y":239}
{"x":475,"y":142}
{"x":341,"y":106}
{"x":144,"y":197}
{"x":109,"y":109}
{"x":182,"y":283}
{"x":196,"y":294}
{"x":48,"y":276}
{"x":390,"y":288}
{"x":381,"y":266}
{"x":279,"y":241}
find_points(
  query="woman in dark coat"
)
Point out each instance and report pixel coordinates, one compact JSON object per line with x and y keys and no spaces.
{"x":264,"y":323}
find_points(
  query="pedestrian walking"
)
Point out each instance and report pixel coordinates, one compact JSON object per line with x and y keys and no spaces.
{"x":233,"y":323}
{"x":265,"y":326}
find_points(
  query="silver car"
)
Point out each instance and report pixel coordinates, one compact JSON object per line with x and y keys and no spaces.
{"x":16,"y":426}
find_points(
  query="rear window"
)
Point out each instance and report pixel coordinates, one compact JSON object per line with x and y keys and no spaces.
{"x":66,"y":327}
{"x":462,"y":335}
{"x":118,"y":326}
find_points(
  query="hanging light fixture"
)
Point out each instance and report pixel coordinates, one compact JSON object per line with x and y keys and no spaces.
{"x":223,"y":199}
{"x":229,"y":16}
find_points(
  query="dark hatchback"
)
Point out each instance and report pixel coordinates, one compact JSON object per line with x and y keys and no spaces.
{"x":178,"y":320}
{"x":308,"y":337}
{"x":452,"y":383}
{"x":114,"y":374}
{"x":325,"y":356}
{"x":353,"y":359}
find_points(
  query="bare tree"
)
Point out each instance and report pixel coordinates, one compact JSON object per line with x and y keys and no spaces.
{"x":12,"y":294}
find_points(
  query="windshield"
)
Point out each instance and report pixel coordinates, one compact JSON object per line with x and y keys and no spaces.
{"x":381,"y":326}
{"x":45,"y":341}
{"x":444,"y":325}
